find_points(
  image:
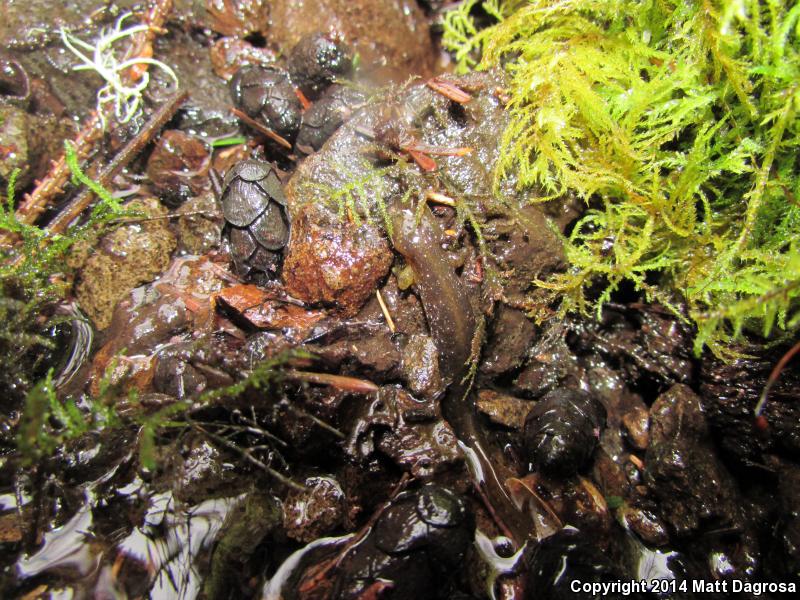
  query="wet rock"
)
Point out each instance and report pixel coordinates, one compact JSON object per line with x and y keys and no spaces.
{"x":27,"y":143}
{"x":177,"y":377}
{"x":575,"y":501}
{"x":406,"y":430}
{"x":178,"y":167}
{"x":326,"y":115}
{"x":150,"y":315}
{"x":229,"y":54}
{"x":391,"y":36}
{"x":371,"y":352}
{"x":125,"y":258}
{"x":730,"y":392}
{"x":565,"y":557}
{"x":245,"y":529}
{"x":420,"y":539}
{"x":637,"y":427}
{"x":201,"y":472}
{"x":237,"y":17}
{"x":421,"y":367}
{"x":682,"y":471}
{"x":511,"y":337}
{"x":334,"y":263}
{"x":526,"y":247}
{"x":15,"y":85}
{"x":785,"y":559}
{"x":200,"y":224}
{"x":644,"y":523}
{"x":503,"y":409}
{"x":206,"y":114}
{"x":562,"y":431}
{"x":316,"y":61}
{"x":651,"y":346}
{"x":314,"y":513}
{"x":552,"y":365}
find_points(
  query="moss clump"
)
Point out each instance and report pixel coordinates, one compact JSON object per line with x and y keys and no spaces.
{"x":677,"y":123}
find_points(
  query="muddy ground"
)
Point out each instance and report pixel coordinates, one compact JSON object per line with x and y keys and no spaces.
{"x":415,"y":421}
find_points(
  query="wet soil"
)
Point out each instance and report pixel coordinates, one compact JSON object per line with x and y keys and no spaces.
{"x":329,"y":368}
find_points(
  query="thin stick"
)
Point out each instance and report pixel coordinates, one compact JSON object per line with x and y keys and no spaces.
{"x":324,"y":425}
{"x":773,"y":377}
{"x":262,"y":128}
{"x":35,"y":203}
{"x":164,"y":113}
{"x":249,"y":457}
{"x":385,"y":310}
{"x":341,"y":382}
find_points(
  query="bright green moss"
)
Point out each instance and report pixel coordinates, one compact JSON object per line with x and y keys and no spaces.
{"x":676,"y":122}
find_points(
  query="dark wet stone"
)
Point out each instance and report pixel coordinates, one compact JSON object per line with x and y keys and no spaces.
{"x":177,"y":377}
{"x":326,"y":115}
{"x":511,"y":337}
{"x":406,"y":430}
{"x":316,"y":512}
{"x":392,"y":37}
{"x":730,"y":392}
{"x":562,"y":431}
{"x":421,"y":366}
{"x":503,"y":409}
{"x":200,"y":224}
{"x":637,"y":427}
{"x":229,"y":54}
{"x":567,"y":556}
{"x":178,"y":167}
{"x":682,"y":470}
{"x":420,"y":539}
{"x":651,"y":346}
{"x":236,"y":17}
{"x":316,"y":61}
{"x":527,"y":246}
{"x":552,"y":365}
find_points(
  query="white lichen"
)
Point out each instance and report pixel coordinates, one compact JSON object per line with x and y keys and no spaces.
{"x":127,"y":97}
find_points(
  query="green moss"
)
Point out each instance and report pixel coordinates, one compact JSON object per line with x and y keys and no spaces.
{"x":677,"y":123}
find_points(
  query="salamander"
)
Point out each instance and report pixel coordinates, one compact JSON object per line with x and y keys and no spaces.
{"x":452,"y":322}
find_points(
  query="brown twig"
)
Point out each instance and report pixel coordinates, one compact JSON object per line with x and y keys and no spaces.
{"x":164,"y":113}
{"x":35,"y":203}
{"x":263,"y":129}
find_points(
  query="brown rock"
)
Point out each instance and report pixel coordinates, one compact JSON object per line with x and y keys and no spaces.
{"x":391,"y":36}
{"x":421,"y":366}
{"x":693,"y":487}
{"x":237,"y":17}
{"x":334,"y":263}
{"x":503,"y":409}
{"x":125,"y":258}
{"x":637,"y":427}
{"x":311,"y":514}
